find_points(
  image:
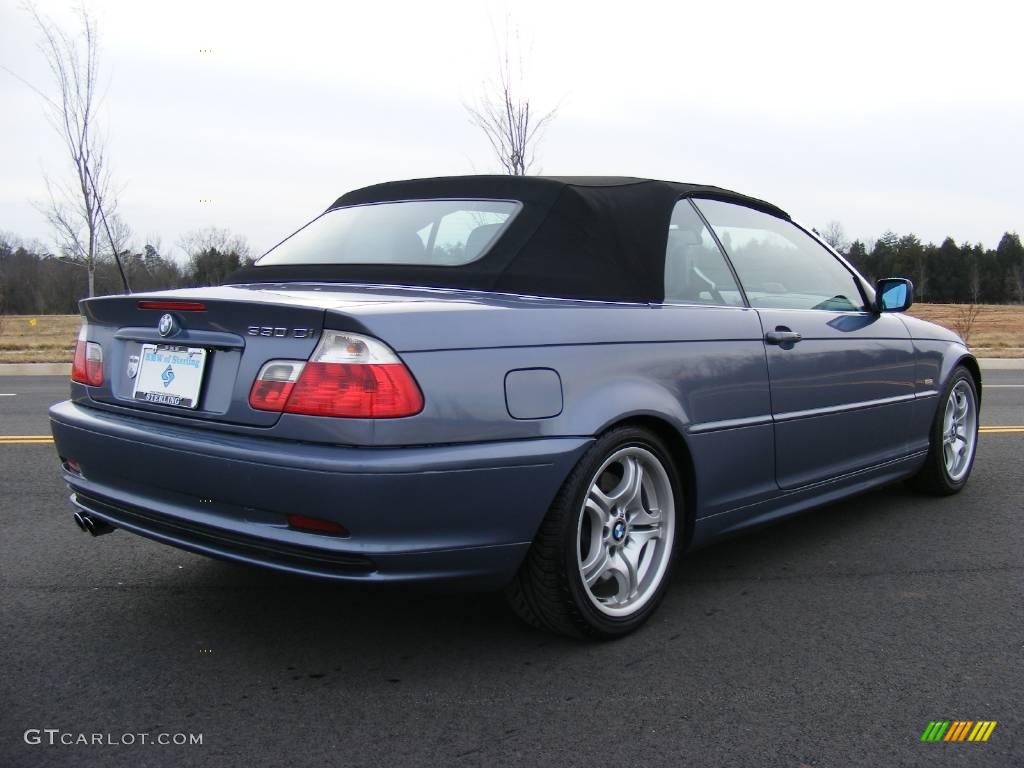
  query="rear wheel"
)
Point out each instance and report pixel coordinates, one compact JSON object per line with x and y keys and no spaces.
{"x":602,"y":558}
{"x":954,"y":438}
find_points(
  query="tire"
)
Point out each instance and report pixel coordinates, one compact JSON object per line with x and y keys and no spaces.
{"x":954,"y":438}
{"x":627,"y":484}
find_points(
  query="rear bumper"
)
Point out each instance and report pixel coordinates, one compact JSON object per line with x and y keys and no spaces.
{"x":423,"y":513}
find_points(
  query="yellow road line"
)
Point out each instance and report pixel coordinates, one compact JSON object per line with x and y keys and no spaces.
{"x":999,"y":430}
{"x":25,"y":439}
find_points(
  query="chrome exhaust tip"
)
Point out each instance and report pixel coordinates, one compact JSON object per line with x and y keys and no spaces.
{"x":92,"y":525}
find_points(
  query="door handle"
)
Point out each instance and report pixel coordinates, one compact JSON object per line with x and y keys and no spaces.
{"x":782,"y":335}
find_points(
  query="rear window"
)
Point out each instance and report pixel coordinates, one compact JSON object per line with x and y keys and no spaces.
{"x":420,"y":232}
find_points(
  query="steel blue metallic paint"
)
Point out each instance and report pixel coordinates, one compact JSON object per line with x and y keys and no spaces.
{"x":842,"y":395}
{"x":394,"y":501}
{"x":533,"y":393}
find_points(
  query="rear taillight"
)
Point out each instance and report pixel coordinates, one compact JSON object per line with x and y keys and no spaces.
{"x":361,"y":391}
{"x":347,"y":376}
{"x":87,"y":367}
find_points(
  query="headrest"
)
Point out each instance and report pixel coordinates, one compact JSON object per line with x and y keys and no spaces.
{"x":479,"y":238}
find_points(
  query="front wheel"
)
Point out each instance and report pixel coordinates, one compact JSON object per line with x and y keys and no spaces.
{"x":954,"y":437}
{"x":601,"y":561}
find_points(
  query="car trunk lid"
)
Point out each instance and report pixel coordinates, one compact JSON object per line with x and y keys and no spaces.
{"x":192,"y":354}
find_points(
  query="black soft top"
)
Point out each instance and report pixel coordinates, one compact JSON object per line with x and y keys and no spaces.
{"x":582,"y":237}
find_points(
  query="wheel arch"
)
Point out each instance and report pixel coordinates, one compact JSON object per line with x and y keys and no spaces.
{"x":970,"y":362}
{"x":679,"y":453}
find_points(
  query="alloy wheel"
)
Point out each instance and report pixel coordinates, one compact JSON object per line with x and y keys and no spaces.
{"x":626,"y":529}
{"x":959,"y":431}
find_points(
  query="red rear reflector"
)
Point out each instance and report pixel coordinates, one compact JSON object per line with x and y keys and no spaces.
{"x":180,"y":306}
{"x":274,"y":384}
{"x":270,"y":395}
{"x":355,"y":390}
{"x":316,"y":525}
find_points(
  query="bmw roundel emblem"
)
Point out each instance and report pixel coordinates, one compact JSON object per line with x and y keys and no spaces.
{"x":166,"y":325}
{"x":619,"y":530}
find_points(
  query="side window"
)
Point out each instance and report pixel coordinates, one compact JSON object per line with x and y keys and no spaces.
{"x":780,"y":265}
{"x":695,"y":271}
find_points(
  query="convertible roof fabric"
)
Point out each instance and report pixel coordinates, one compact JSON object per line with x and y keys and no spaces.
{"x":585,"y":237}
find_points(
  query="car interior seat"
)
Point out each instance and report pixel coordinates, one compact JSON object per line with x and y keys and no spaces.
{"x":479,"y":239}
{"x":400,"y":247}
{"x":680,"y":259}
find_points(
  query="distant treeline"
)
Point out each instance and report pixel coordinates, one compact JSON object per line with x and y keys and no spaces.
{"x":947,"y":273}
{"x":34,"y":282}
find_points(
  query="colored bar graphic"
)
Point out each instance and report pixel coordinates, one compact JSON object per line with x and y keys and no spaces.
{"x":963,"y":730}
{"x":935,"y":730}
{"x":958,"y":730}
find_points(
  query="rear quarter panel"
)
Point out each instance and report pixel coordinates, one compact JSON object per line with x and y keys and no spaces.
{"x":701,"y":370}
{"x":706,"y":366}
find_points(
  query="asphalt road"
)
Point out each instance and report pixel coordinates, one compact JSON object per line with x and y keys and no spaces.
{"x":828,"y":640}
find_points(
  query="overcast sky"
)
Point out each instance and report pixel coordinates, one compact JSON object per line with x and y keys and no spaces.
{"x":895,"y":115}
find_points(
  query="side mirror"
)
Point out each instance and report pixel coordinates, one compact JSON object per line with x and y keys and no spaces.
{"x":894,"y":294}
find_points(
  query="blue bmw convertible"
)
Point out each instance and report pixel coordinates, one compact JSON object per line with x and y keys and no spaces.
{"x":553,"y":386}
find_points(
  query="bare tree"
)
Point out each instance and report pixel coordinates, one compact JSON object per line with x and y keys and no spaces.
{"x":213,"y":239}
{"x":834,"y":235}
{"x":76,"y":209}
{"x":118,"y":237}
{"x":974,"y":279}
{"x":964,"y":320}
{"x":213,"y":254}
{"x":505,"y":114}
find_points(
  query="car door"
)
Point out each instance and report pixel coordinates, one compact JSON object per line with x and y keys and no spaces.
{"x":841,"y":375}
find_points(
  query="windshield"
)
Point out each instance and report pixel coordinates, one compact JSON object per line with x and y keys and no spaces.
{"x":421,"y":232}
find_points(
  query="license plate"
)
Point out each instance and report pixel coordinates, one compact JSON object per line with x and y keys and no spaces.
{"x":170,"y":375}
